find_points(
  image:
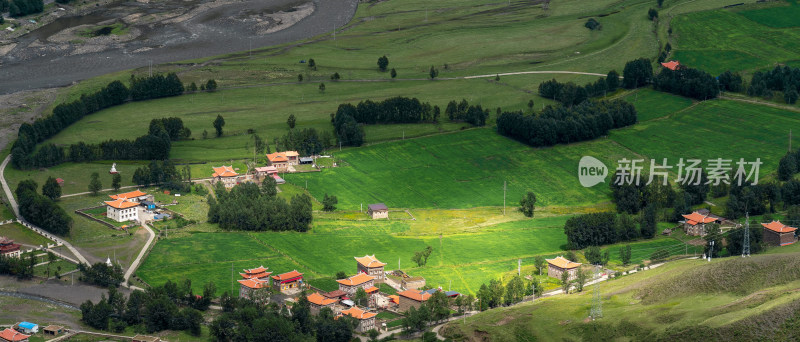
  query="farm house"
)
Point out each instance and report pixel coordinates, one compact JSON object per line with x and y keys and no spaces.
{"x":559,"y":265}
{"x":695,"y":223}
{"x":226,"y":175}
{"x":378,"y":210}
{"x":319,"y":301}
{"x":370,"y":265}
{"x":779,"y":234}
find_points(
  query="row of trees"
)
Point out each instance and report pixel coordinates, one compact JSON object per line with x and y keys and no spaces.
{"x":571,"y":94}
{"x":41,"y":210}
{"x":170,"y":306}
{"x":21,"y":268}
{"x":101,"y":274}
{"x":637,"y":73}
{"x":18,"y":8}
{"x":435,"y":309}
{"x":250,"y":207}
{"x":347,"y":129}
{"x":689,"y":82}
{"x":150,"y":146}
{"x":562,"y":124}
{"x":307,"y":141}
{"x":463,"y":112}
{"x":392,"y":110}
{"x":605,"y":228}
{"x":496,"y":294}
{"x":244,"y":320}
{"x":784,"y":79}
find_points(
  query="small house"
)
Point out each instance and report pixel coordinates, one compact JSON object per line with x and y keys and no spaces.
{"x":287,"y":282}
{"x":226,"y":175}
{"x":250,"y":287}
{"x":366,"y":319}
{"x":132,"y":196}
{"x":306,"y":160}
{"x":352,"y":284}
{"x":378,"y":211}
{"x":556,"y":267}
{"x":336,"y":294}
{"x":779,"y":234}
{"x":695,"y":223}
{"x":11,"y":335}
{"x":319,"y":301}
{"x":412,"y":298}
{"x":282,"y":160}
{"x":265,"y":171}
{"x":54,"y":330}
{"x":9,"y":249}
{"x":370,"y":265}
{"x":28,"y":328}
{"x":60,"y":181}
{"x":671,"y":65}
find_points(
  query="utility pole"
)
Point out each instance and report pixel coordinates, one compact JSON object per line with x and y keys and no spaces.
{"x":150,"y":63}
{"x":519,"y":267}
{"x":504,"y":198}
{"x":746,"y":244}
{"x":711,"y":250}
{"x":398,"y":264}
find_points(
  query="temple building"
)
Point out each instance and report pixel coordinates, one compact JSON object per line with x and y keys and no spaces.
{"x":371,"y":266}
{"x":288,"y":282}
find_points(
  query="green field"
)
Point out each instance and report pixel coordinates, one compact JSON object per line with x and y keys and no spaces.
{"x":721,"y":40}
{"x":651,"y":104}
{"x":725,"y":300}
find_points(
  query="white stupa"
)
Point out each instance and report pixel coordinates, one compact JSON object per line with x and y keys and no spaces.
{"x":113,"y":169}
{"x":108,"y":262}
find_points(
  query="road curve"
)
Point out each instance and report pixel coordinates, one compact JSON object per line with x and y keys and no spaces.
{"x":14,"y":207}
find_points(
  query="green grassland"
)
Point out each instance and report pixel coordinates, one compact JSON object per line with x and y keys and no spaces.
{"x":651,"y":104}
{"x":727,"y":299}
{"x":22,"y":235}
{"x":721,"y":40}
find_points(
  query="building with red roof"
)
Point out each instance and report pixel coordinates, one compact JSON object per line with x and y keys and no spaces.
{"x":60,"y":181}
{"x":695,"y":223}
{"x":287,"y":282}
{"x":257,"y":273}
{"x":282,"y":160}
{"x":372,"y":266}
{"x":225,"y":174}
{"x":779,"y":234}
{"x":671,"y":65}
{"x":366,"y":319}
{"x":358,"y":281}
{"x":254,"y":289}
{"x":409,"y":298}
{"x":8,"y":248}
{"x":12,"y":335}
{"x":319,"y":301}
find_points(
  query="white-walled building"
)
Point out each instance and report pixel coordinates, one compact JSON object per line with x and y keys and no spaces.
{"x":122,"y":210}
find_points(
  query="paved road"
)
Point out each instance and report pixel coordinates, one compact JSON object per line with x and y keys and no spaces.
{"x":14,"y":207}
{"x":135,"y":263}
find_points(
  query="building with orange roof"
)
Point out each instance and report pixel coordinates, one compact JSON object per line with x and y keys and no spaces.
{"x":671,"y":65}
{"x":132,"y":196}
{"x":288,"y":282}
{"x":779,"y":234}
{"x":257,"y":273}
{"x":254,"y":289}
{"x":9,"y":249}
{"x":282,"y":160}
{"x":352,"y":284}
{"x":366,"y":319}
{"x":372,"y":266}
{"x":695,"y":223}
{"x":557,"y":266}
{"x":12,"y":335}
{"x":412,"y":298}
{"x":121,"y":210}
{"x":319,"y":301}
{"x":225,"y":174}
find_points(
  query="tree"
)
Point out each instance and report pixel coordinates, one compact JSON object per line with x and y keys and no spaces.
{"x":530,"y":104}
{"x":393,"y":73}
{"x":539,"y":263}
{"x":593,"y":255}
{"x":565,"y":281}
{"x":383,"y":63}
{"x":714,"y":236}
{"x":300,"y":78}
{"x":527,"y":204}
{"x":790,"y":95}
{"x":787,"y":167}
{"x":192,"y":87}
{"x":311,"y":63}
{"x":329,"y":203}
{"x":116,"y":181}
{"x":625,"y":255}
{"x":94,"y":184}
{"x":341,"y":275}
{"x":335,"y":77}
{"x":211,"y":85}
{"x":637,"y":73}
{"x":51,"y":189}
{"x":51,"y":259}
{"x":219,"y":122}
{"x":648,"y":225}
{"x":3,"y":6}
{"x":652,"y":14}
{"x":612,"y":80}
{"x":322,"y":87}
{"x":433,"y":73}
{"x":580,"y":279}
{"x":291,"y":121}
{"x":660,"y":2}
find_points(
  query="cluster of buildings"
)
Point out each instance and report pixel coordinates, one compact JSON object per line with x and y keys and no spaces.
{"x":8,"y":248}
{"x":128,"y":206}
{"x":774,"y":233}
{"x":278,"y":162}
{"x":22,"y":332}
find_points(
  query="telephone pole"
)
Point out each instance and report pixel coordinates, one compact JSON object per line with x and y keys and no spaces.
{"x":746,"y":243}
